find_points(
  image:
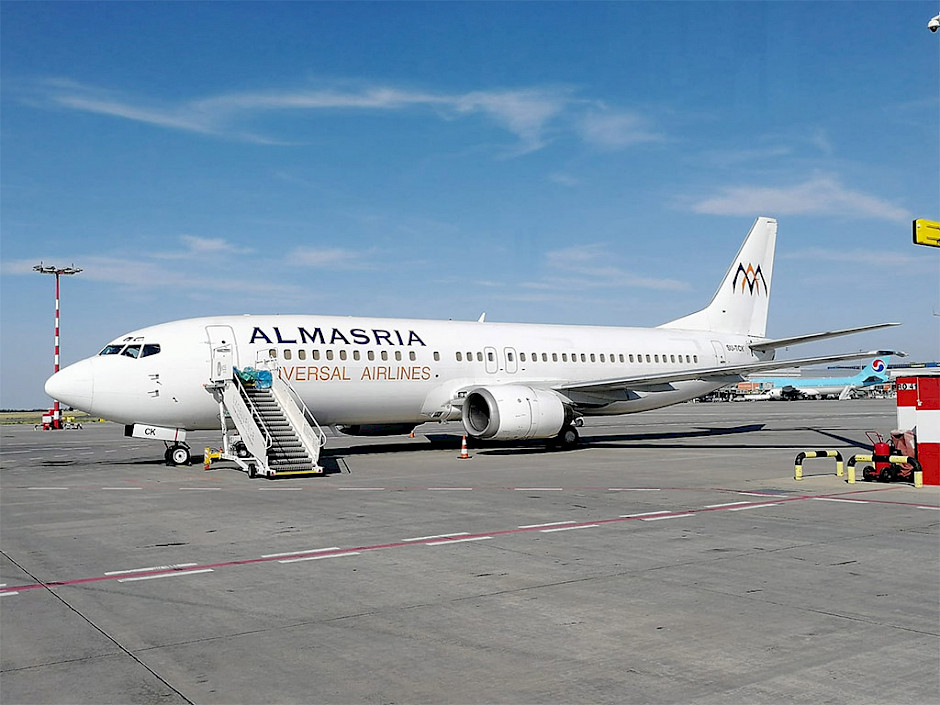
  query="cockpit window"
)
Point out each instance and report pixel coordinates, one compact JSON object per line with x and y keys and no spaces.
{"x":131,"y":351}
{"x":150,"y":349}
{"x":111,"y":350}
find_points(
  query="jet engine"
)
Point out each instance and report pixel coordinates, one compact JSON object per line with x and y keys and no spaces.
{"x":512,"y":412}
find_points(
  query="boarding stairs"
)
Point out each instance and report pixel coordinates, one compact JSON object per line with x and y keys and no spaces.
{"x":274,"y":433}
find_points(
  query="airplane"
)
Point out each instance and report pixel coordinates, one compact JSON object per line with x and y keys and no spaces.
{"x":789,"y":388}
{"x":382,"y":376}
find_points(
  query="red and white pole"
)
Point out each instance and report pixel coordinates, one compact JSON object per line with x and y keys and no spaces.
{"x":58,"y":271}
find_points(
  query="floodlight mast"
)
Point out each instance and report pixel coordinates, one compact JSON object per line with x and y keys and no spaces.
{"x":58,"y":271}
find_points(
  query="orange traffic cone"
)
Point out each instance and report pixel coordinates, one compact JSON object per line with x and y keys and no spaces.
{"x":464,"y":455}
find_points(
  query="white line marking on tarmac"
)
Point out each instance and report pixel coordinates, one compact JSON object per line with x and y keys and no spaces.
{"x":203,"y":489}
{"x":643,"y":514}
{"x":11,"y":452}
{"x":360,"y":489}
{"x":539,"y":489}
{"x":472,"y":538}
{"x":633,"y":489}
{"x":6,"y":594}
{"x":568,"y":528}
{"x":754,"y":506}
{"x":726,"y":504}
{"x":300,"y":553}
{"x":279,"y":489}
{"x":934,"y":508}
{"x":47,"y":488}
{"x":835,"y":499}
{"x":121,"y":489}
{"x":444,"y":489}
{"x":551,"y":523}
{"x":317,"y":558}
{"x":152,"y":568}
{"x":164,"y":575}
{"x":670,"y":516}
{"x":438,"y":536}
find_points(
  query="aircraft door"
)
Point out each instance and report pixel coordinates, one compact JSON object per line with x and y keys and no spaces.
{"x":223,"y":354}
{"x":490,"y":361}
{"x":511,"y":363}
{"x":719,"y":352}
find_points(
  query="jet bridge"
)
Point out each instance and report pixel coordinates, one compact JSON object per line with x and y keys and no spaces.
{"x":274,"y":433}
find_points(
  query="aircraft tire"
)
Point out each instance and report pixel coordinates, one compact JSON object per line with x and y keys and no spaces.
{"x":179,"y":455}
{"x":566,"y":439}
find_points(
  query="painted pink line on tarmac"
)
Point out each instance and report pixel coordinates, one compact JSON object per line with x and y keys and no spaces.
{"x":412,"y":543}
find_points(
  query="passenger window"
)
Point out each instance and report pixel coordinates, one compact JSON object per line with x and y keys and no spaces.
{"x":592,"y":357}
{"x":111,"y":350}
{"x":521,"y":357}
{"x":437,"y":357}
{"x":583,"y":357}
{"x":695,"y":359}
{"x":342,"y":354}
{"x":554,"y":357}
{"x":302,"y":354}
{"x":272,"y":352}
{"x":131,"y":351}
{"x":150,"y":349}
{"x":316,"y":354}
{"x":398,"y":355}
{"x":655,"y":358}
{"x":371,"y":355}
{"x":509,"y":356}
{"x":287,"y":354}
{"x":356,"y":355}
{"x":621,"y":358}
{"x":489,"y":356}
{"x":603,"y":357}
{"x":648,"y":358}
{"x":411,"y":355}
{"x":479,"y":357}
{"x":544,"y":357}
{"x":329,"y":354}
{"x":672,"y":358}
{"x":384,"y":355}
{"x":631,"y":357}
{"x":459,"y":357}
{"x":564,"y":357}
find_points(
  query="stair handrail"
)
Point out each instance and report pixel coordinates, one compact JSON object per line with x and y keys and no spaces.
{"x":308,"y":415}
{"x":255,"y":412}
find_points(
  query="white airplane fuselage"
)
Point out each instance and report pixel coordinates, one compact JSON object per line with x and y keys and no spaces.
{"x":353,"y":371}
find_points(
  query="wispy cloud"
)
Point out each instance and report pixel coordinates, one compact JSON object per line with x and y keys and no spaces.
{"x":589,"y":266}
{"x":532,"y":115}
{"x":616,"y":130}
{"x":821,"y":194}
{"x":196,"y":246}
{"x":331,"y":258}
{"x":879,"y":257}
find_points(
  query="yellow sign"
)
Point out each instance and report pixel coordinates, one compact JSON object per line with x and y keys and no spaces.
{"x":926,"y":232}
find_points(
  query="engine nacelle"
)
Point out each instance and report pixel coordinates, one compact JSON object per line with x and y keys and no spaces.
{"x":512,"y":412}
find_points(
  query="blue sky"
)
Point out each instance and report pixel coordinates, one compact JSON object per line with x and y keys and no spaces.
{"x":571,"y":163}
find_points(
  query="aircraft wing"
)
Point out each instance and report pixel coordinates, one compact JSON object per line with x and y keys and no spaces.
{"x":764,"y":345}
{"x":722,"y":373}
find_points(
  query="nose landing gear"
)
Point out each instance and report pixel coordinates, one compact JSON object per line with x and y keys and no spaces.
{"x":177,"y":454}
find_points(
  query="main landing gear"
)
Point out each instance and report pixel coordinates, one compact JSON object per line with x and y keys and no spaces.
{"x":177,"y":454}
{"x":567,"y":439}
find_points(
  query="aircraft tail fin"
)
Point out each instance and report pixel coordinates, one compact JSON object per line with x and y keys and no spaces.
{"x":740,"y":305}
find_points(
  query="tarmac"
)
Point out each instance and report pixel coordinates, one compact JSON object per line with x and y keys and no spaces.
{"x":671,"y":559}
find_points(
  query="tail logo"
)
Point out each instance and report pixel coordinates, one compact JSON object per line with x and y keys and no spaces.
{"x":751,"y":279}
{"x":878,"y":366}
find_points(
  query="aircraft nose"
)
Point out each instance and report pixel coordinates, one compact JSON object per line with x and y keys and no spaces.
{"x":75,"y":385}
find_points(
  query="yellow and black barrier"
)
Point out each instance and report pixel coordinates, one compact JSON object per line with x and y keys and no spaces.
{"x":798,"y":463}
{"x":869,"y":458}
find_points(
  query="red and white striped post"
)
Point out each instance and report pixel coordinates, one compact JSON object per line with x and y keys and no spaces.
{"x":58,"y":271}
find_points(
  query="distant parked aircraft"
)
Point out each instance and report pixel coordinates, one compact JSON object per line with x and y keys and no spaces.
{"x":820,"y":387}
